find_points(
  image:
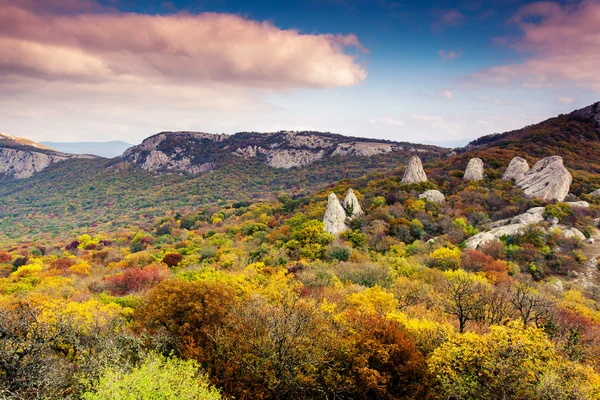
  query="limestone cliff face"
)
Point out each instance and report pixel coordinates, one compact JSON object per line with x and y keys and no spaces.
{"x":173,"y":152}
{"x":21,"y":158}
{"x":193,"y":152}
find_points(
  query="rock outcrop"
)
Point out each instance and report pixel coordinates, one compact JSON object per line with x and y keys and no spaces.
{"x":20,"y":158}
{"x":335,"y":216}
{"x":509,"y":226}
{"x":516,"y":169}
{"x":573,"y":233}
{"x":197,"y":152}
{"x":547,"y":180}
{"x":474,"y":170}
{"x":351,"y":205}
{"x":517,"y":224}
{"x":434,"y":196}
{"x":414,"y":172}
{"x":595,"y":193}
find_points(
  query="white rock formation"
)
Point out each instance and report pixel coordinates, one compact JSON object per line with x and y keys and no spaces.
{"x":573,"y":233}
{"x":23,"y":163}
{"x":335,"y":216}
{"x":516,"y":169}
{"x":364,"y":149}
{"x":547,"y":180}
{"x":414,"y":171}
{"x":292,"y":158}
{"x":434,"y":196}
{"x":157,"y":160}
{"x":351,"y":205}
{"x":474,"y":170}
{"x":595,"y":193}
{"x":509,"y":226}
{"x":580,"y":204}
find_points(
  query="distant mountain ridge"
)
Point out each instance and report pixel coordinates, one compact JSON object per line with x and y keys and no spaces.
{"x":108,"y":149}
{"x":197,"y":152}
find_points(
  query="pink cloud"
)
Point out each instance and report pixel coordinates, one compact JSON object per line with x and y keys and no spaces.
{"x":177,"y":49}
{"x":563,"y":43}
{"x":452,"y":17}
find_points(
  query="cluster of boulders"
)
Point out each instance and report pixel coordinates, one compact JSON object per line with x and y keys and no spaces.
{"x":338,"y":213}
{"x":517,"y":224}
{"x":547,"y":180}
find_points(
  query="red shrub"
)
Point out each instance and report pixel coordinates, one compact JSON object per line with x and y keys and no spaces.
{"x":134,"y":279}
{"x":63,"y":263}
{"x":5,"y":257}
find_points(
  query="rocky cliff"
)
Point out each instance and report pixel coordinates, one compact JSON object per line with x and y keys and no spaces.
{"x":20,"y":158}
{"x":194,"y":152}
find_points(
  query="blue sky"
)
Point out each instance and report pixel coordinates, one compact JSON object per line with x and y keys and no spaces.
{"x":441,"y":72}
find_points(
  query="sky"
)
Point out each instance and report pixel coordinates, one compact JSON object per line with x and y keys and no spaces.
{"x":442,"y":72}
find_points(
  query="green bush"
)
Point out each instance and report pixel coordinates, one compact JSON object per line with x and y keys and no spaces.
{"x":157,"y":377}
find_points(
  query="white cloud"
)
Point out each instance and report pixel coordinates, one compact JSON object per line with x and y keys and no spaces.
{"x":566,"y":100}
{"x":448,"y":55}
{"x":447,"y":94}
{"x":387,"y":121}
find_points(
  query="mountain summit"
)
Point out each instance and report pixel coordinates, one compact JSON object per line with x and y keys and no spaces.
{"x":197,"y":152}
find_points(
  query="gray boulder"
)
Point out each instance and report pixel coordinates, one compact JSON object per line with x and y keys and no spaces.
{"x":335,"y":216}
{"x":510,"y":226}
{"x":351,"y":205}
{"x":573,"y":233}
{"x":516,"y":169}
{"x":595,"y":193}
{"x":547,"y":180}
{"x":434,"y":196}
{"x":414,"y":171}
{"x":474,"y":171}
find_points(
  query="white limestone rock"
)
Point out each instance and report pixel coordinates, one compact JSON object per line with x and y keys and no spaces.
{"x":433,"y":196}
{"x":516,"y":169}
{"x":595,"y":193}
{"x":510,"y":226}
{"x":21,"y":164}
{"x":335,"y":216}
{"x":573,"y":233}
{"x":578,"y":204}
{"x":414,"y":171}
{"x":474,"y":171}
{"x":351,"y":205}
{"x":547,"y":180}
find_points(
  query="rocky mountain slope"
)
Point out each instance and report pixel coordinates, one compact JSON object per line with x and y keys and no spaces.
{"x":166,"y":171}
{"x":196,"y":152}
{"x":21,"y":158}
{"x":574,"y":136}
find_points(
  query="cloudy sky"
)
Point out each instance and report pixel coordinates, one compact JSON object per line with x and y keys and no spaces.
{"x":421,"y":71}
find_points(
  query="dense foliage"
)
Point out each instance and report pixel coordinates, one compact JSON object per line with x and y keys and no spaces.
{"x":252,"y":300}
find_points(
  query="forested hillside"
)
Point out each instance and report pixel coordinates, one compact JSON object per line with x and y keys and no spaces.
{"x":255,"y":299}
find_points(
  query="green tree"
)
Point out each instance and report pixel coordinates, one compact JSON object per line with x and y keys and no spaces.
{"x":157,"y":377}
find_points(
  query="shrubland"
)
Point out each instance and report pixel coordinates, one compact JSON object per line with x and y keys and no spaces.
{"x":254,"y":300}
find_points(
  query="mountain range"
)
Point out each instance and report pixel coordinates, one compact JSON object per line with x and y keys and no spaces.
{"x":47,"y":191}
{"x":103,"y":149}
